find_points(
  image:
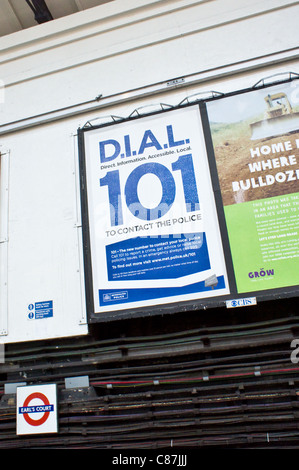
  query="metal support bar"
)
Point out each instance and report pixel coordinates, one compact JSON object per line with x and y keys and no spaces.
{"x":41,"y":11}
{"x":288,"y":77}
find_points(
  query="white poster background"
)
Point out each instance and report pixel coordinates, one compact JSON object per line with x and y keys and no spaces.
{"x":187,"y":127}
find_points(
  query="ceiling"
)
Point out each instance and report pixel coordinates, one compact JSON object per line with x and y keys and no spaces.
{"x":16,"y":15}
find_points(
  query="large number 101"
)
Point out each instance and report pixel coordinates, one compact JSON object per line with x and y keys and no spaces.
{"x":184,"y":164}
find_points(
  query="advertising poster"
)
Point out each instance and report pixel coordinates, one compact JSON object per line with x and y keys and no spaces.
{"x":153,"y":227}
{"x":256,"y":145}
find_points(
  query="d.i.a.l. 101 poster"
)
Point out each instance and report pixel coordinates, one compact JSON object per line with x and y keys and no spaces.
{"x":153,"y":227}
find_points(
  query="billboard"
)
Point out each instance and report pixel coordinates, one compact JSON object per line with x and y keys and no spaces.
{"x":154,"y":236}
{"x":255,"y":139}
{"x":193,"y":205}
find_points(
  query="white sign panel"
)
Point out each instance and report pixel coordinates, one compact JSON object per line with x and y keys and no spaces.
{"x":153,"y":227}
{"x":37,"y":409}
{"x":40,"y":237}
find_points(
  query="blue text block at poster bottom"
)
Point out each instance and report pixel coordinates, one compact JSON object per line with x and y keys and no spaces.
{"x":157,"y":257}
{"x":117,"y":296}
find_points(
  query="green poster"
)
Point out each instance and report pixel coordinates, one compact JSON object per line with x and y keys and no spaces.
{"x":256,"y":145}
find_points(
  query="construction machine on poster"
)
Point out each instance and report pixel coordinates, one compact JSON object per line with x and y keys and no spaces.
{"x":279,"y":118}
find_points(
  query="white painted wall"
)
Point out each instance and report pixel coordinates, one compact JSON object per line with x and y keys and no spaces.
{"x":127,"y":51}
{"x":127,"y":44}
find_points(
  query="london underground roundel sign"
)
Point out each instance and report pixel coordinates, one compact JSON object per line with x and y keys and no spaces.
{"x":37,"y":409}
